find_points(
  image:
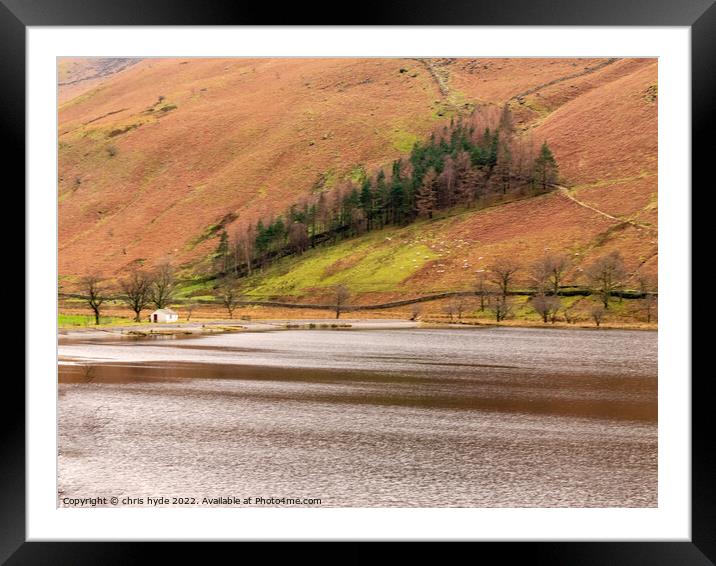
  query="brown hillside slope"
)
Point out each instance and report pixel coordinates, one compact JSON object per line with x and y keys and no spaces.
{"x":604,"y":133}
{"x":602,"y":128}
{"x":142,"y":179}
{"x":246,"y":137}
{"x":606,"y":142}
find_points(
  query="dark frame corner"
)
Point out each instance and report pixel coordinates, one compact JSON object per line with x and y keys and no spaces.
{"x":700,"y":15}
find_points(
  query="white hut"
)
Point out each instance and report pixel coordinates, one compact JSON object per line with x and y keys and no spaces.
{"x":163,"y":315}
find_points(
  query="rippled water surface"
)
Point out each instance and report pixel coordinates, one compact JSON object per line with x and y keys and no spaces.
{"x":488,"y":417}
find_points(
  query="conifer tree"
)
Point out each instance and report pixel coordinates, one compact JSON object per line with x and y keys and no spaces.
{"x":425,"y":195}
{"x":221,"y":255}
{"x":366,"y":203}
{"x":503,"y":168}
{"x":381,"y":198}
{"x":446,"y":183}
{"x":507,"y":127}
{"x":395,"y":204}
{"x":545,"y":169}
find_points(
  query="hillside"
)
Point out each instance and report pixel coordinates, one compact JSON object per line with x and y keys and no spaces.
{"x":154,"y":155}
{"x":77,"y":75}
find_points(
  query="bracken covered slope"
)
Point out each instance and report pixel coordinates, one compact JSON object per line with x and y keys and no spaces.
{"x":154,"y":154}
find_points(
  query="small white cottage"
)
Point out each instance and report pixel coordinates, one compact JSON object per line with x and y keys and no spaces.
{"x":163,"y":315}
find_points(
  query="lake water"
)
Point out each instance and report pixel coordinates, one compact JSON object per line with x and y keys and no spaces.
{"x":480,"y":417}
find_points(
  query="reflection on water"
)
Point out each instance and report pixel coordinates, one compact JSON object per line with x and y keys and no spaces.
{"x":469,"y":418}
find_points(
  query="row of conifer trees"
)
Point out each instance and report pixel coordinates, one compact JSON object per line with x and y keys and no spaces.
{"x":463,"y":163}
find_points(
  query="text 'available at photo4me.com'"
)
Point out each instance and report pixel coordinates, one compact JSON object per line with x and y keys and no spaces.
{"x":163,"y":501}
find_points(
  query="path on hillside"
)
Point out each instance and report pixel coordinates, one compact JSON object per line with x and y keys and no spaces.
{"x":565,"y":192}
{"x":439,"y":75}
{"x":437,"y":68}
{"x":587,"y":71}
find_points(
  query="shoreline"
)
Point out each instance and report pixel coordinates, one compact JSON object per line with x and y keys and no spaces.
{"x":582,"y":325}
{"x":218,"y":326}
{"x":190,"y":329}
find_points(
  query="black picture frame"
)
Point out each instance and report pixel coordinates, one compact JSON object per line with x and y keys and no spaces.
{"x":699,"y":15}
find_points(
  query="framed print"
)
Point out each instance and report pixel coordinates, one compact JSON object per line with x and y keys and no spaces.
{"x":423,"y":278}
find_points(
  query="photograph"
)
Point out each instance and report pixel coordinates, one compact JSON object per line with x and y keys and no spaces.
{"x":352,"y":282}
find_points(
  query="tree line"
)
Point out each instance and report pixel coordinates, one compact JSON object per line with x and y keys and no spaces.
{"x":606,"y":277}
{"x":139,"y":290}
{"x":463,"y":163}
{"x":492,"y":292}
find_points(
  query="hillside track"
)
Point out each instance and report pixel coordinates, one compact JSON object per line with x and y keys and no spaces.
{"x":587,"y":71}
{"x":566,"y":192}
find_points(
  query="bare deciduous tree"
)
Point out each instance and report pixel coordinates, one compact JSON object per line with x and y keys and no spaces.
{"x":244,"y":244}
{"x":606,"y":275}
{"x":548,"y":273}
{"x":94,"y":294}
{"x":647,"y":288}
{"x":546,"y":306}
{"x":163,"y":286}
{"x":229,"y":295}
{"x":341,"y":294}
{"x":190,"y":308}
{"x":460,"y":303}
{"x":501,"y":308}
{"x":298,"y":237}
{"x":649,"y":307}
{"x":502,"y":274}
{"x":482,"y":290}
{"x":597,"y":314}
{"x":568,"y":313}
{"x":135,"y":292}
{"x":449,"y":309}
{"x":646,"y":284}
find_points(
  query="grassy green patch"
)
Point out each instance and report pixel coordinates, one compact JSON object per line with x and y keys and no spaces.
{"x":457,"y":104}
{"x":123,"y":130}
{"x":194,"y":288}
{"x":203,"y":298}
{"x":536,"y":105}
{"x":371,"y":263}
{"x":404,"y":141}
{"x":325,"y":181}
{"x":79,"y":99}
{"x":617,"y":306}
{"x":357,"y":175}
{"x":69,"y":320}
{"x":522,"y":308}
{"x":212,"y":230}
